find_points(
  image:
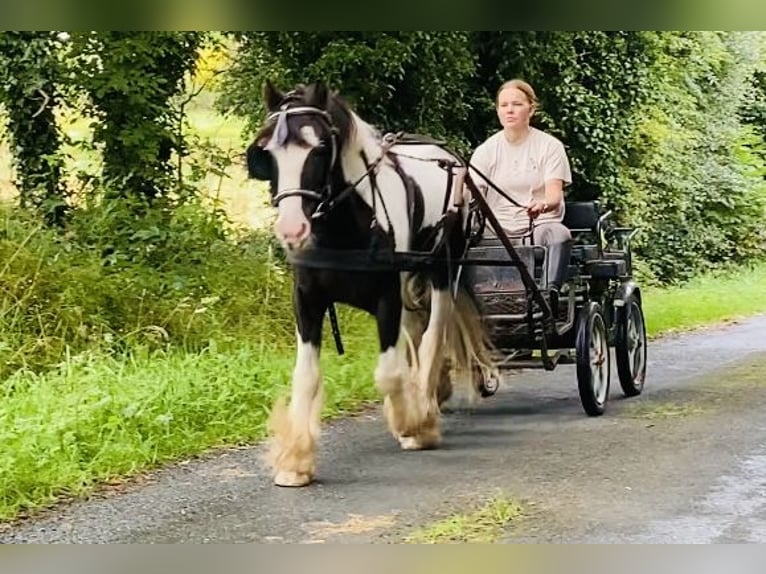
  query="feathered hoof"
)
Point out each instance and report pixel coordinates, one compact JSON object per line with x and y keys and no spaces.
{"x":419,"y":442}
{"x":290,"y":478}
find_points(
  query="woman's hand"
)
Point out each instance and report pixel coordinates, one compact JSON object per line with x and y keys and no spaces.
{"x":535,"y":208}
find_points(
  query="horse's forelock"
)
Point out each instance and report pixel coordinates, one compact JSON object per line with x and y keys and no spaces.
{"x":341,"y":116}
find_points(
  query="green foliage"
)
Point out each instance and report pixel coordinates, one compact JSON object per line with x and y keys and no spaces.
{"x":753,"y":103}
{"x":131,"y":80}
{"x":411,"y":81}
{"x":690,"y":181}
{"x":30,"y":70}
{"x":588,"y":83}
{"x":753,"y":110}
{"x":115,"y":280}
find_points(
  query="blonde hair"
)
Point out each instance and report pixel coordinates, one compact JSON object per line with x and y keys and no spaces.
{"x":520,"y":85}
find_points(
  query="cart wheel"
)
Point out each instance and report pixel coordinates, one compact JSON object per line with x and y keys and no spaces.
{"x":593,"y":365}
{"x":630,"y":347}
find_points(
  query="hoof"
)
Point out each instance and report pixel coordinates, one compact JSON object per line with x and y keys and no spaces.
{"x":409,"y":443}
{"x":418,"y":443}
{"x":291,"y":478}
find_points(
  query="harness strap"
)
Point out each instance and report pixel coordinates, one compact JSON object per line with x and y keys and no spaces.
{"x":448,"y":194}
{"x":493,"y":186}
{"x":375,"y":190}
{"x":285,"y":193}
{"x":335,"y":329}
{"x":415,"y":216}
{"x":330,"y":202}
{"x":300,"y":110}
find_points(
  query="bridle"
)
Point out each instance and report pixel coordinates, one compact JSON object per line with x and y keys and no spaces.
{"x":326,"y":200}
{"x":278,"y":138}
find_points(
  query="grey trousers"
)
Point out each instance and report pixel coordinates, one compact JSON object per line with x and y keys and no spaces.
{"x":557,"y":238}
{"x":550,"y":233}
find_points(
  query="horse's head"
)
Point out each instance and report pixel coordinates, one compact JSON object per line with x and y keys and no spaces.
{"x":298,"y":151}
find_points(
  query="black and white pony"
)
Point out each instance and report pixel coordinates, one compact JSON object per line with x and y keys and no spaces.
{"x":338,"y":185}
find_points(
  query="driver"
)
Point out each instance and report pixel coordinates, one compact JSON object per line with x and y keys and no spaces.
{"x":532,"y":168}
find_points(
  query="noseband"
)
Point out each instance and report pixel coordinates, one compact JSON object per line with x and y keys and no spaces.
{"x":279,"y":137}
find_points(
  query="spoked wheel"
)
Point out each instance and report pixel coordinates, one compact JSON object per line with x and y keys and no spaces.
{"x":630,"y":347}
{"x":593,"y":364}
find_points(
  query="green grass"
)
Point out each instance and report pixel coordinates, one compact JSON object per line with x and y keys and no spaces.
{"x":707,"y":300}
{"x":482,"y":525}
{"x":96,"y":418}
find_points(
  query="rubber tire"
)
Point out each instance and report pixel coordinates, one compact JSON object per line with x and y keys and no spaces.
{"x":590,"y":321}
{"x":632,"y":383}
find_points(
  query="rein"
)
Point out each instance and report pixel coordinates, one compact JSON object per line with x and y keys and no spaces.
{"x":493,"y":186}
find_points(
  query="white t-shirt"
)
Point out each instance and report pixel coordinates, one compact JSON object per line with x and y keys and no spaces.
{"x":521,"y":171}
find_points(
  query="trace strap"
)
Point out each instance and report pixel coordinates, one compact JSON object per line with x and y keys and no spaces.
{"x":335,"y":329}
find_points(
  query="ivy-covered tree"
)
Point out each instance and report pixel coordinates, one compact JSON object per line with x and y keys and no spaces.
{"x":29,"y":73}
{"x":410,"y":81}
{"x":131,"y":79}
{"x":686,"y":182}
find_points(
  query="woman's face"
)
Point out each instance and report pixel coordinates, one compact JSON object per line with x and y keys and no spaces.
{"x":514,"y":108}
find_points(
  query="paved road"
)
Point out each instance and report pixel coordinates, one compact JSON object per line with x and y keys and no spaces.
{"x":684,"y":462}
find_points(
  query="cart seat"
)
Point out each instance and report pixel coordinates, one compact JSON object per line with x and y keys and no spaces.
{"x":581,"y":215}
{"x":586,"y":259}
{"x":496,"y":278}
{"x":606,"y":268}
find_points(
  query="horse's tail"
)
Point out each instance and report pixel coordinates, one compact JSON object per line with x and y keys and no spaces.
{"x":469,"y":349}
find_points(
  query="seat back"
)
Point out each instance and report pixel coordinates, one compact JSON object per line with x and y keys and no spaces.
{"x":581,"y":215}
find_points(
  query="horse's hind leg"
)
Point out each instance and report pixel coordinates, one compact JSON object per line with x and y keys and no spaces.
{"x":295,"y":428}
{"x":426,"y":433}
{"x":392,"y":371}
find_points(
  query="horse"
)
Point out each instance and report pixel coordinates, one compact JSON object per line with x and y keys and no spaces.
{"x":338,"y":184}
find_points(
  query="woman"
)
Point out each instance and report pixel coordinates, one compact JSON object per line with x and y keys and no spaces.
{"x":532,"y":168}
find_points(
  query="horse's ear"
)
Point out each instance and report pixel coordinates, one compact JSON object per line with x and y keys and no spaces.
{"x":259,"y":163}
{"x":319,"y":95}
{"x":272,"y":96}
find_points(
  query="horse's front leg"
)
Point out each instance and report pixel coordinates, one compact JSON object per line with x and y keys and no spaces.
{"x":295,"y":428}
